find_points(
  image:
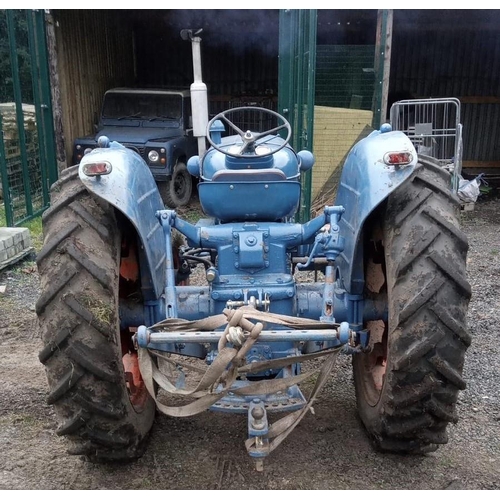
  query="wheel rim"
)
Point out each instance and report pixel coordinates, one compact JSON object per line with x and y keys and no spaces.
{"x":129,"y":280}
{"x":136,"y":387}
{"x":180,"y":185}
{"x":374,"y":362}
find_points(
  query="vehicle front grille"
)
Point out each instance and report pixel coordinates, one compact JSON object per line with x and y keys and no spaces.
{"x":134,"y":147}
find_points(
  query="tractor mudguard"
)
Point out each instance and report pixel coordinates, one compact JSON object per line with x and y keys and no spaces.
{"x":131,"y":189}
{"x":366,"y":181}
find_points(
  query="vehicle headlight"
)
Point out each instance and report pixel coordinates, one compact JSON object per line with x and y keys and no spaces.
{"x":153,"y":156}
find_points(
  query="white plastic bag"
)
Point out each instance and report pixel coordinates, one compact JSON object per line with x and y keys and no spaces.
{"x":468,"y":191}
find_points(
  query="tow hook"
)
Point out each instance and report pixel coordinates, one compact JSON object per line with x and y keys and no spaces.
{"x":258,"y":428}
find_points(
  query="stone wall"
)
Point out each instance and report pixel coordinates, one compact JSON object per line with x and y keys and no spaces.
{"x":12,"y":143}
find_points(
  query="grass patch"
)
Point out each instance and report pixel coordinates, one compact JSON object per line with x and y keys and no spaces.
{"x":23,"y":420}
{"x":23,"y":267}
{"x":99,"y":309}
{"x":34,"y":225}
{"x":190,"y":214}
{"x":36,"y":232}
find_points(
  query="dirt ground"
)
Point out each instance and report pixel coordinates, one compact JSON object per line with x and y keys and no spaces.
{"x":328,"y":450}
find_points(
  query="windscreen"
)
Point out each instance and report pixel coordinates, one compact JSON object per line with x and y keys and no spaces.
{"x":142,"y":106}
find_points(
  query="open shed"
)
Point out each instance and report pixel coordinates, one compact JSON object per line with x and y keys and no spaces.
{"x":435,"y":53}
{"x":426,"y":53}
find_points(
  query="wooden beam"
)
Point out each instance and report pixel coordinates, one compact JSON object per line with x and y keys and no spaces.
{"x":487,"y":99}
{"x":441,"y":27}
{"x":480,"y":164}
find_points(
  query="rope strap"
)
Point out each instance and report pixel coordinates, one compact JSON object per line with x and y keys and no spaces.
{"x":219,"y":377}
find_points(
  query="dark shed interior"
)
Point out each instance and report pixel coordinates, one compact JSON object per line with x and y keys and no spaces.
{"x":435,"y":53}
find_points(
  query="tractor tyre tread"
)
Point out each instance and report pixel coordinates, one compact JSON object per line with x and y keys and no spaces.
{"x":78,"y":317}
{"x":428,"y":295}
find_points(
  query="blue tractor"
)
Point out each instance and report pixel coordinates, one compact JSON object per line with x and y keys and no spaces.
{"x":124,"y":331}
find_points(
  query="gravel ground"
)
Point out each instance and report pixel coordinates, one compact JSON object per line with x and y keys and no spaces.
{"x":482,"y":367}
{"x":329,"y":450}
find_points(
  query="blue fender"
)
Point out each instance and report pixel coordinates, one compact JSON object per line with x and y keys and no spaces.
{"x":366,"y":181}
{"x":131,"y":189}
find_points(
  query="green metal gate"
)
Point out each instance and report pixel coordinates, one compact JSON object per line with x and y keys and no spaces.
{"x":297,"y":61}
{"x":27,"y":151}
{"x":347,"y":83}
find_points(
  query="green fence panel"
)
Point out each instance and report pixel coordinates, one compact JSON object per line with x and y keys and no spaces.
{"x":27,"y":152}
{"x":296,"y":74}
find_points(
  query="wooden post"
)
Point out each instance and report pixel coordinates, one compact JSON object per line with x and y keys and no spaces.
{"x":55,"y":91}
{"x":382,"y":65}
{"x":387,"y":66}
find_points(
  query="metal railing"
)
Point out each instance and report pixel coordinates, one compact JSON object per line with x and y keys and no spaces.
{"x":434,"y":128}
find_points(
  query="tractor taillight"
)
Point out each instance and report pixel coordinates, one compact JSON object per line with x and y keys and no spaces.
{"x":93,"y":169}
{"x":398,"y":158}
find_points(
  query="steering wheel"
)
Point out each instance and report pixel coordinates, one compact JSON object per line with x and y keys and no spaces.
{"x":250,"y":138}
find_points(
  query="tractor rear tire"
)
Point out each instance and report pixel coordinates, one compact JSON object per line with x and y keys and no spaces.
{"x":407,"y":386}
{"x":177,"y":192}
{"x":78,"y":315}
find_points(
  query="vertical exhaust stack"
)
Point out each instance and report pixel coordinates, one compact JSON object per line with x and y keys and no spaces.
{"x":199,"y":99}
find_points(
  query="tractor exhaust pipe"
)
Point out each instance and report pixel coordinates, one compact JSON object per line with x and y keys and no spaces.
{"x":199,"y":99}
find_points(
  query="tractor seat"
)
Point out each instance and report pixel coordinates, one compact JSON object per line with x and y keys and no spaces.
{"x":263,"y":194}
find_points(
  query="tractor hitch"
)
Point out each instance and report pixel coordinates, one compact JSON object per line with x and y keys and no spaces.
{"x":155,"y":339}
{"x":237,"y":379}
{"x":258,"y":429}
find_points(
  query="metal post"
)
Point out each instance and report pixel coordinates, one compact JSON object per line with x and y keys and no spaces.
{"x":301,"y":127}
{"x":35,"y":78}
{"x":297,"y":52}
{"x":19,"y":110}
{"x":165,"y":217}
{"x":286,"y":77}
{"x":45,"y":97}
{"x":309,"y":99}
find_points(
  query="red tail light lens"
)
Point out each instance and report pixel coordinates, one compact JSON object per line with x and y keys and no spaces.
{"x":398,"y":158}
{"x":93,"y":169}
